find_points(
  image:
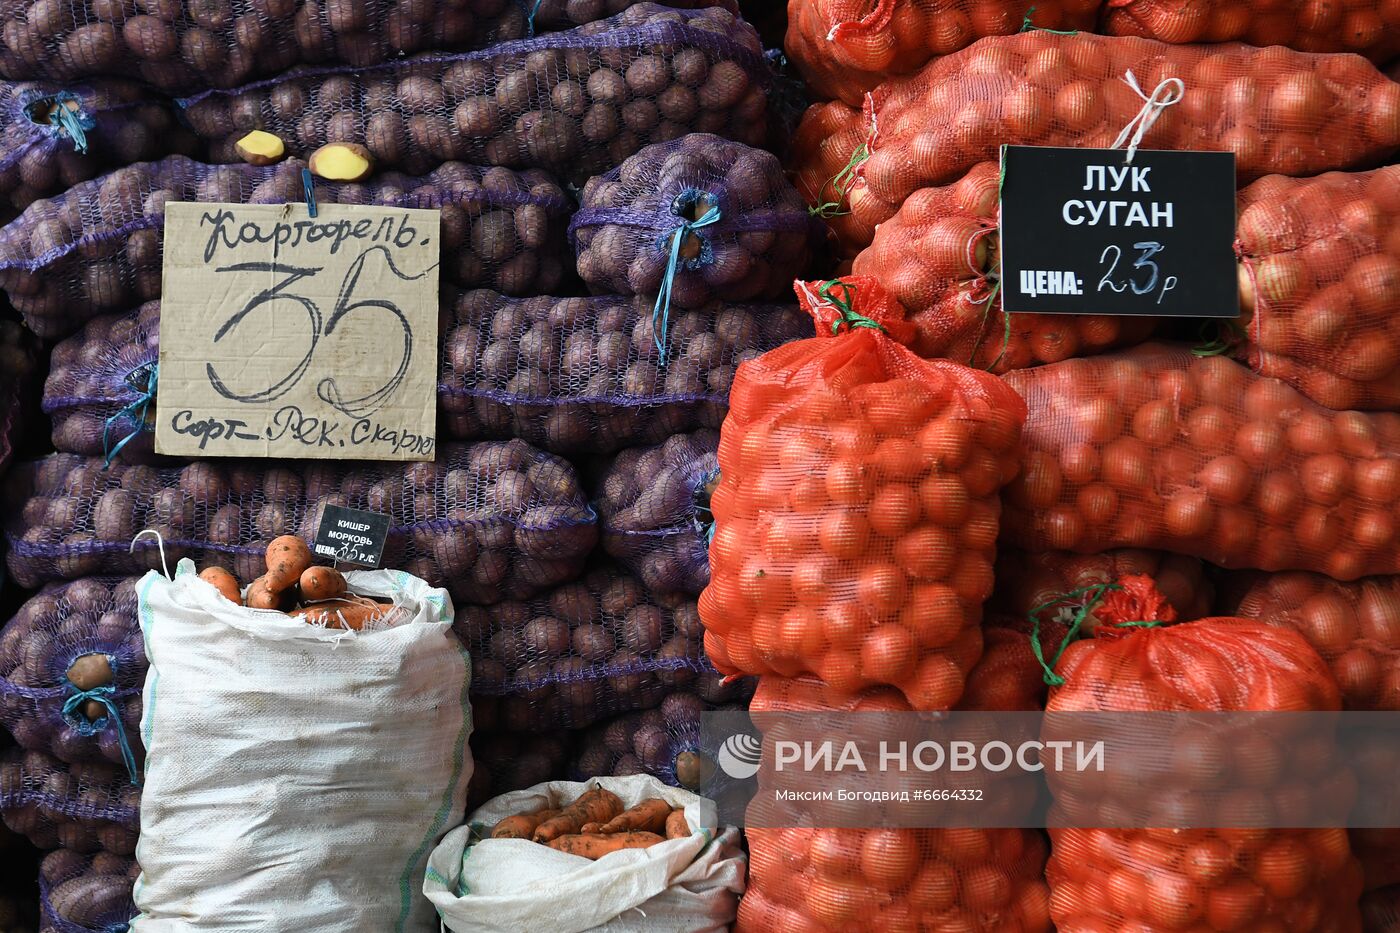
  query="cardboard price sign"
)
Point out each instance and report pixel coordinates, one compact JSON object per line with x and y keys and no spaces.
{"x":284,"y":335}
{"x":1084,"y":231}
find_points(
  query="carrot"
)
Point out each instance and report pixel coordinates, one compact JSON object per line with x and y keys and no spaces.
{"x":648,"y":816}
{"x":287,"y":558}
{"x":223,"y":581}
{"x":521,"y":825}
{"x":597,"y":845}
{"x":262,"y":595}
{"x":342,"y":613}
{"x":319,"y":583}
{"x":592,"y":806}
{"x":676,"y":825}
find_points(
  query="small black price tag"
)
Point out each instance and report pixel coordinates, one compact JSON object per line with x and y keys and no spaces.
{"x":352,"y":536}
{"x":1085,"y":232}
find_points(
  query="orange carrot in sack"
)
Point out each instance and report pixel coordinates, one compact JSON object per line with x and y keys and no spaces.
{"x":597,"y":845}
{"x":676,"y":825}
{"x":648,"y":816}
{"x":593,"y":806}
{"x":522,"y":825}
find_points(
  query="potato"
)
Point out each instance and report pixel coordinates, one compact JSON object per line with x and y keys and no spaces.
{"x":67,"y":286}
{"x":489,"y":521}
{"x":577,"y":111}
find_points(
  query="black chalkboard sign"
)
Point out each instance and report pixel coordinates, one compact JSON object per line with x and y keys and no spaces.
{"x":351,"y":536}
{"x":1083,"y":231}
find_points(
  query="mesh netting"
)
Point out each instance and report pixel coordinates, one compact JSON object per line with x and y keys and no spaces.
{"x":593,"y":648}
{"x":97,"y":247}
{"x":654,"y":511}
{"x":1279,"y":111}
{"x":505,"y":761}
{"x":87,"y":807}
{"x":1158,"y":448}
{"x":1354,"y":626}
{"x":664,"y":742}
{"x":219,"y":43}
{"x":1177,"y":879}
{"x":578,"y":102}
{"x":488,"y":521}
{"x":1321,"y":279}
{"x":1380,"y":910}
{"x":819,"y":161}
{"x":857,"y":512}
{"x":585,"y":375}
{"x":941,"y":257}
{"x":846,"y":47}
{"x":1367,"y":27}
{"x":42,"y":707}
{"x":694,"y":219}
{"x":86,"y":893}
{"x":54,"y":136}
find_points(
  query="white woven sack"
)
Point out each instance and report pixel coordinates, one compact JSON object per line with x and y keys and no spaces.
{"x":297,"y":777}
{"x":689,"y":885}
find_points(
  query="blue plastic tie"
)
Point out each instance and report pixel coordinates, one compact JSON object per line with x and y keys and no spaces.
{"x":137,"y":411}
{"x":530,"y":19}
{"x":308,"y":187}
{"x":73,"y":123}
{"x":104,"y":696}
{"x":661,"y":313}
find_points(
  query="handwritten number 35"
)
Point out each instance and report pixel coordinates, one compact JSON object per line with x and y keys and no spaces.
{"x":327,"y":389}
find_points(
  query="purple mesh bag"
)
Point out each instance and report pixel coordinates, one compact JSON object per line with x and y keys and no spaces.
{"x":593,"y":648}
{"x":81,"y":893}
{"x":39,"y":704}
{"x":199,"y":44}
{"x":100,"y":392}
{"x":663,"y":742}
{"x":565,"y":14}
{"x":654,"y":511}
{"x":693,"y":220}
{"x":584,"y":375}
{"x":54,"y":136}
{"x":507,"y":761}
{"x":576,"y":102}
{"x":97,"y":247}
{"x":87,"y":807}
{"x":487,"y":521}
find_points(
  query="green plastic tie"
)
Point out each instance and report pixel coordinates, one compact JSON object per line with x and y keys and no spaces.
{"x":1095,"y":595}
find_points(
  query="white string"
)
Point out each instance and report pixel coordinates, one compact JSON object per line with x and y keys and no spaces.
{"x":1169,"y":92}
{"x":160,"y":544}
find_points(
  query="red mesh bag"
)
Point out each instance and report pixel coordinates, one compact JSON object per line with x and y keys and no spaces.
{"x":1320,"y":285}
{"x":1367,"y":27}
{"x":844,"y":48}
{"x":1157,"y":448}
{"x":821,"y":164}
{"x":1280,"y":111}
{"x":838,"y":880}
{"x":1356,"y":629}
{"x":1380,"y":910}
{"x":1196,"y":879}
{"x":1008,"y":677}
{"x":857,"y":512}
{"x":941,"y":257}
